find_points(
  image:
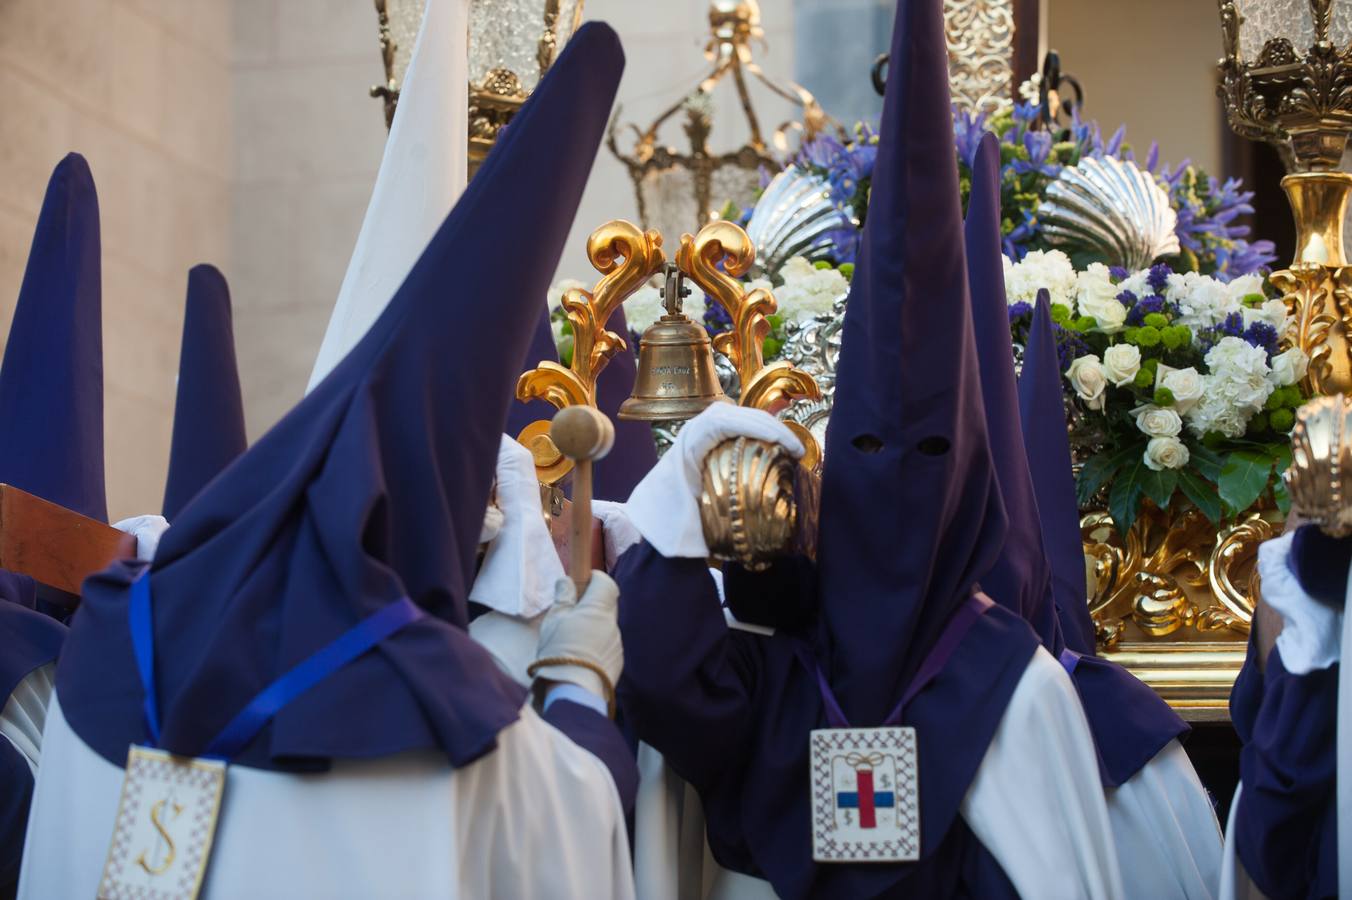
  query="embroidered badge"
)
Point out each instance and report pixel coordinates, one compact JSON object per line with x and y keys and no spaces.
{"x":166,"y":820}
{"x":865,"y":795}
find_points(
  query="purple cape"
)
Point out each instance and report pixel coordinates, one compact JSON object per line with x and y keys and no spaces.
{"x":208,"y":412}
{"x":372,"y":488}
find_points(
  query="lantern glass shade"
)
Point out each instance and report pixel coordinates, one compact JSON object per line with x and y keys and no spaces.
{"x":1265,"y":20}
{"x":405,"y":20}
{"x":521,"y":36}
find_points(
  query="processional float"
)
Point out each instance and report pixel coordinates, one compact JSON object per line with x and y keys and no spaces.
{"x":1172,"y":595}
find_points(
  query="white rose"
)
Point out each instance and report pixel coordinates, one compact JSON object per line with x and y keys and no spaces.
{"x":1289,"y":367}
{"x":1157,"y":421}
{"x":1184,"y":384}
{"x":1166,"y":453}
{"x":1087,"y":377}
{"x":1244,"y":285}
{"x":1273,"y":312}
{"x":1121,"y":362}
{"x":1096,"y":296}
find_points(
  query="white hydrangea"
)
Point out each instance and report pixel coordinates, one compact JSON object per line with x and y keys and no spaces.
{"x":1137,"y":283}
{"x":1203,"y":302}
{"x":1049,"y":269}
{"x":807,"y":291}
{"x":644,"y":307}
{"x":1236,"y":387}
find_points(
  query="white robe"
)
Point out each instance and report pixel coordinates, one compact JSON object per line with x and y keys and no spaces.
{"x":538,"y":817}
{"x":1036,"y":804}
{"x":1168,"y":839}
{"x":25,"y":713}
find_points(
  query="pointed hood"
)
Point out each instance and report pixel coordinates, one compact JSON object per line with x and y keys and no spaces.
{"x":542,"y":349}
{"x":421,"y":174}
{"x":208,"y":412}
{"x":51,"y":380}
{"x":907,"y":431}
{"x":1130,"y":723}
{"x":1042,"y":409}
{"x":372,"y":488}
{"x":635,"y":451}
{"x":1020,"y":579}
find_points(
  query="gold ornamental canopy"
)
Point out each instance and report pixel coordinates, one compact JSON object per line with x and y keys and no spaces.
{"x":675,"y":188}
{"x":512,"y":43}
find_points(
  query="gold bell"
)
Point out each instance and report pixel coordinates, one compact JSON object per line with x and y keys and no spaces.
{"x":676,"y":377}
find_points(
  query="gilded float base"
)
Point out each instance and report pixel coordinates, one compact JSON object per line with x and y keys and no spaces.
{"x":1172,"y":600}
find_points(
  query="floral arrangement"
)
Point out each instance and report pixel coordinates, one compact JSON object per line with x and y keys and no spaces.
{"x":1180,"y":381}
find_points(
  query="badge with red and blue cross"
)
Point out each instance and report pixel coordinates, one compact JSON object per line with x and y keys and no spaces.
{"x":865,"y":795}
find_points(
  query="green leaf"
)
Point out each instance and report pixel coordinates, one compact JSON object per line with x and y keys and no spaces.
{"x":1283,"y":498}
{"x":1201,"y":493}
{"x":1159,"y":486}
{"x":1124,"y":497}
{"x":1206,"y":461}
{"x":1244,"y":478}
{"x":1096,"y":472}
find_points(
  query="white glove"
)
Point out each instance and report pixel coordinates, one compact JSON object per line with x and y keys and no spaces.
{"x":521,"y":566}
{"x":619,"y":533}
{"x":664,"y":507}
{"x":511,"y":640}
{"x":148,"y":530}
{"x":1311,"y":632}
{"x":580,"y":640}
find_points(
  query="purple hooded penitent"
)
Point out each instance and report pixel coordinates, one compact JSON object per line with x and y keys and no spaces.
{"x":911,"y":517}
{"x":1130,"y":723}
{"x":51,"y":382}
{"x":373,"y":488}
{"x":1043,"y":414}
{"x":208,"y":411}
{"x":51,"y":437}
{"x":1020,"y":579}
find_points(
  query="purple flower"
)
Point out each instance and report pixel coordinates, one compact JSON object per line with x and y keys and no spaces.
{"x":1153,"y":303}
{"x":1158,"y":277}
{"x":1020,"y":309}
{"x":1233,"y":326}
{"x":1069,"y":346}
{"x":1038,"y":145}
{"x":1261,"y":334}
{"x":968,"y":130}
{"x":1117,"y":273}
{"x":716,"y":318}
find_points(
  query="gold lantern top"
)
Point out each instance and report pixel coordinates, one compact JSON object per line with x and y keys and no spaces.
{"x":1285,"y":76}
{"x":675,"y":188}
{"x":512,"y":43}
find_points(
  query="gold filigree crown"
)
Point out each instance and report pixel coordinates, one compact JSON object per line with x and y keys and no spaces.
{"x":1321,"y":461}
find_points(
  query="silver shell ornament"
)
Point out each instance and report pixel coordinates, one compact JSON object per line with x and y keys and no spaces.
{"x":1111,"y":208}
{"x":795,"y":216}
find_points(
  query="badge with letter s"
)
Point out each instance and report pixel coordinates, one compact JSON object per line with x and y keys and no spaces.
{"x":166,"y":820}
{"x":865,"y":795}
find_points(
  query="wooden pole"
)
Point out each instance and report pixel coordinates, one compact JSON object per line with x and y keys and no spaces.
{"x":583,"y":434}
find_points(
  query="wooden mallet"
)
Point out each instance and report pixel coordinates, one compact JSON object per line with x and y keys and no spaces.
{"x":583,"y":434}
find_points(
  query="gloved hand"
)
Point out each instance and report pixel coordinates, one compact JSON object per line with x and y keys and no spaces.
{"x":664,"y":507}
{"x":1311,"y":635}
{"x":148,"y":530}
{"x":580,"y":639}
{"x":619,"y":533}
{"x":521,"y":565}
